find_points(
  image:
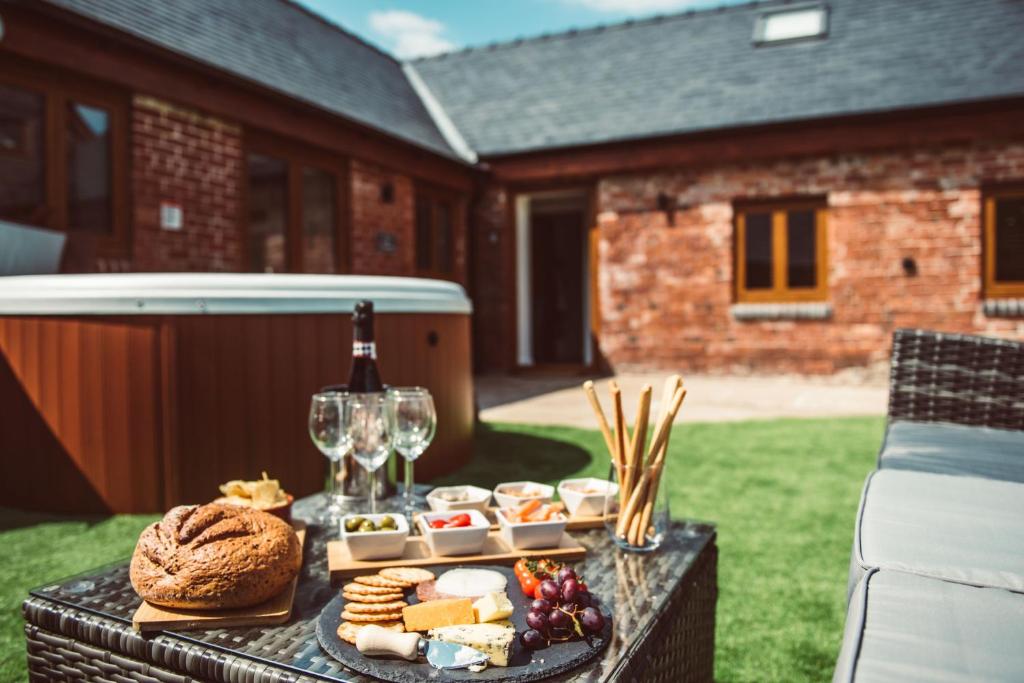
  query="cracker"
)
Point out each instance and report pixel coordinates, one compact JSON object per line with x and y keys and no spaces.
{"x":348,"y":629}
{"x":363,"y":589}
{"x":388,"y":616}
{"x":410,"y":574}
{"x":380,"y":582}
{"x":382,"y":608}
{"x":370,"y":599}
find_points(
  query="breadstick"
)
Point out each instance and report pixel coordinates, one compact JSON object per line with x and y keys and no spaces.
{"x":635,"y":453}
{"x":654,"y":453}
{"x":602,"y":422}
{"x":620,"y":430}
{"x":646,"y":509}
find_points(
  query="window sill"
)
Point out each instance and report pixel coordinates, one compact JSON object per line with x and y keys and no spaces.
{"x":814,"y":310}
{"x":1003,"y":308}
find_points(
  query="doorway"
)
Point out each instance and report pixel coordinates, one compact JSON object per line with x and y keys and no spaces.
{"x":554,"y":279}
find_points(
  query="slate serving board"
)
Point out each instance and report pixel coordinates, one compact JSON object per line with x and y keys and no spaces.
{"x":523,"y":666}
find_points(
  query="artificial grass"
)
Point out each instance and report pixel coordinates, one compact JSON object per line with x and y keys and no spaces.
{"x":783,"y":494}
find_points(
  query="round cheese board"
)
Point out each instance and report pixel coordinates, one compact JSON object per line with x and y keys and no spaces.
{"x":524,"y":665}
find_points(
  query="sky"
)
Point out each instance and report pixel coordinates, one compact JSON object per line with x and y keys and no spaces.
{"x":416,"y":28}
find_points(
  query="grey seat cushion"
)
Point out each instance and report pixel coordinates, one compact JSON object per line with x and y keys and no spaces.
{"x":903,"y":627}
{"x":961,"y":529}
{"x":954,"y":449}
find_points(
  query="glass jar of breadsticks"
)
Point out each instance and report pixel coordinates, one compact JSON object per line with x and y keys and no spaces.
{"x":636,"y":512}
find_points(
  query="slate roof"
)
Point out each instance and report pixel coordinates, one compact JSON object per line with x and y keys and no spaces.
{"x":280,"y":45}
{"x":700,"y":71}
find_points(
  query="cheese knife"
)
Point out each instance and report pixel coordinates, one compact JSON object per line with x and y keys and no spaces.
{"x":373,"y":641}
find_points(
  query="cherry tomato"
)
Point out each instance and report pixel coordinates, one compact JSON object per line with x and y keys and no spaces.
{"x":528,"y":584}
{"x":520,"y":567}
{"x":437,"y":524}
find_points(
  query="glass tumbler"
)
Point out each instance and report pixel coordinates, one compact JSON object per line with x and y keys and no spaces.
{"x":637,"y":515}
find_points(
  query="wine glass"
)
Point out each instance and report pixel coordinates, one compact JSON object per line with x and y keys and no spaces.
{"x":415,"y":422}
{"x":367,"y":419}
{"x":326,"y":411}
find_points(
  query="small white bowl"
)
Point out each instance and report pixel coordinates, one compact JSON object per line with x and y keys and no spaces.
{"x":506,"y":500}
{"x":375,"y":545}
{"x":463,"y":540}
{"x":528,"y":535}
{"x":586,"y":504}
{"x":476,"y":499}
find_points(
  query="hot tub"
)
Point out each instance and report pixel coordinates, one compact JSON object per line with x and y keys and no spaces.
{"x":136,"y":392}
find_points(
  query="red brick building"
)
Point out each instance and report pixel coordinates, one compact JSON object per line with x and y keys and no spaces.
{"x":772,"y":186}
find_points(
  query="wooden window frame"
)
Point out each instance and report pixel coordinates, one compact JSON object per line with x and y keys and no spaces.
{"x":779,"y":292}
{"x":455,"y":201}
{"x":296,"y":157}
{"x":992,"y":288}
{"x":58,"y":88}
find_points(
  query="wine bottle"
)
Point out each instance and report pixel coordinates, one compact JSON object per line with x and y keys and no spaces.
{"x":364,"y":377}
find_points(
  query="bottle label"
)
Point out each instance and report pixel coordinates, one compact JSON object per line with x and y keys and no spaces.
{"x":362,"y":349}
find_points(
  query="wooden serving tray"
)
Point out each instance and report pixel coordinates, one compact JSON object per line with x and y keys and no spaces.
{"x":276,"y":610}
{"x":576,"y":523}
{"x":418,"y":554}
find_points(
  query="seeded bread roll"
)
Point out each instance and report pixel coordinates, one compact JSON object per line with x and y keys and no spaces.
{"x":214,"y":557}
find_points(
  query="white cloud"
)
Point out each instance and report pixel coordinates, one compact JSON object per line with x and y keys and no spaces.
{"x":636,"y":6}
{"x":410,"y":35}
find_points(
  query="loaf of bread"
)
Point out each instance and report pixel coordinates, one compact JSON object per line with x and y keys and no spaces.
{"x":214,"y":557}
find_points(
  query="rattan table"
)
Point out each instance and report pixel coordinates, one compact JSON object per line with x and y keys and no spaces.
{"x":663,"y":606}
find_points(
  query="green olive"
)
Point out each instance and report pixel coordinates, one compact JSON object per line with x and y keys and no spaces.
{"x":367,"y":525}
{"x":352,"y":524}
{"x":388,"y":522}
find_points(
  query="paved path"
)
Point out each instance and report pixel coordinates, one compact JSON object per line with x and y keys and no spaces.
{"x":560,"y":401}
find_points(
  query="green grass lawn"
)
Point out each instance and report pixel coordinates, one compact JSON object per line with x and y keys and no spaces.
{"x":783,"y":494}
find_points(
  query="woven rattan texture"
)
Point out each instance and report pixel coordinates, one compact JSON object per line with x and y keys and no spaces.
{"x":939,"y":377}
{"x":80,"y":630}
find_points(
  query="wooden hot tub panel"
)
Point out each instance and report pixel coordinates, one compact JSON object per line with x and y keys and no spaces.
{"x":136,"y":414}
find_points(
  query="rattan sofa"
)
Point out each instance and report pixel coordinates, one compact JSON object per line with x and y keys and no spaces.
{"x":936,"y":588}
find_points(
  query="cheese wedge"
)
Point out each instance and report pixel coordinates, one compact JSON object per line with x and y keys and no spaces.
{"x":434,"y":613}
{"x":494,"y":640}
{"x":492,"y":607}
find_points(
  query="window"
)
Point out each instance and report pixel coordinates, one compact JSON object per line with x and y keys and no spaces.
{"x":436,"y":215}
{"x":63,"y":156}
{"x":791,"y":24}
{"x":1004,"y":243}
{"x":293,"y":212}
{"x":781,"y":252}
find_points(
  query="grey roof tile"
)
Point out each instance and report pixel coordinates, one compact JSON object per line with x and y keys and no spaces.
{"x":279,"y":45}
{"x":700,"y":71}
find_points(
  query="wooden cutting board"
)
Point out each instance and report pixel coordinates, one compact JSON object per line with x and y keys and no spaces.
{"x":576,"y":522}
{"x":418,"y":554}
{"x":276,"y":610}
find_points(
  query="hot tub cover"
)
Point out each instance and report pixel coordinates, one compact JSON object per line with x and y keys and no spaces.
{"x":224,"y":294}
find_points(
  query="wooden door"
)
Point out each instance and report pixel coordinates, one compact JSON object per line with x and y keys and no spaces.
{"x":556,"y":265}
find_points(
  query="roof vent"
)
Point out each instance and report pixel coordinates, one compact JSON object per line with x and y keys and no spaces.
{"x":793,"y":23}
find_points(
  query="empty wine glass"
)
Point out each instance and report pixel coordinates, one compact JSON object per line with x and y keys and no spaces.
{"x":368,"y":422}
{"x":415,"y":421}
{"x":326,"y":411}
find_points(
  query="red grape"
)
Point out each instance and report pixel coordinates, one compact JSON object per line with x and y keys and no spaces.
{"x":549,"y":590}
{"x":566,"y":573}
{"x":570,"y":589}
{"x":583,"y":599}
{"x":532,"y":639}
{"x":559,"y":619}
{"x":592,"y":620}
{"x":541,"y":606}
{"x":537,"y":620}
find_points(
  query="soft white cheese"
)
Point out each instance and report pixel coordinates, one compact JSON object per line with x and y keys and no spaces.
{"x":466,"y":583}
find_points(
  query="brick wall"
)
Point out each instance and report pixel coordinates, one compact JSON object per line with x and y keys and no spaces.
{"x":494,"y":280}
{"x":194,"y":160}
{"x":371,"y":215}
{"x":666,"y":290}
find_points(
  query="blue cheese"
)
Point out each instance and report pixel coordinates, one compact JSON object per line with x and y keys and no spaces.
{"x":494,"y":640}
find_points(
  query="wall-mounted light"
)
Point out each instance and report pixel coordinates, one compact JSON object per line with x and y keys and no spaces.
{"x":668,"y":205}
{"x":387,"y":192}
{"x":909,"y":266}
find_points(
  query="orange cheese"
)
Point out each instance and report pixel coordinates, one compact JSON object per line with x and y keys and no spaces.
{"x":435,"y":613}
